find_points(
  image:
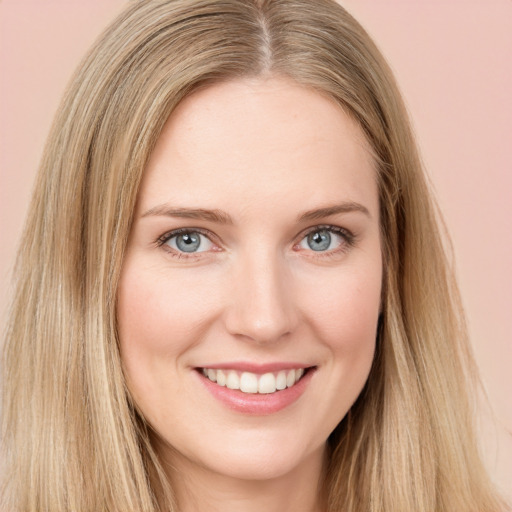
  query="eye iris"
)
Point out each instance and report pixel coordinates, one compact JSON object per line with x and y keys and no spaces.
{"x":188,"y":242}
{"x":319,"y":240}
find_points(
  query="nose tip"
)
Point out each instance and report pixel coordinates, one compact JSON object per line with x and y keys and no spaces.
{"x":262,"y":308}
{"x":262,"y":329}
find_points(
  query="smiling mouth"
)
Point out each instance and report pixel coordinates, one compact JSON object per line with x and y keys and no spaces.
{"x":253,"y":383}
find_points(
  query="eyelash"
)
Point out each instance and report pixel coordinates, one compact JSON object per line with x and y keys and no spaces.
{"x":349,"y":240}
{"x":162,"y":240}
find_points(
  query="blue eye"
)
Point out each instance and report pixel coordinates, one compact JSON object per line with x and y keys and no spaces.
{"x":189,"y":242}
{"x":322,"y":240}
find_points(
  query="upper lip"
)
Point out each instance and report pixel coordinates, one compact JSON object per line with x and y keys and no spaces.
{"x":258,"y":368}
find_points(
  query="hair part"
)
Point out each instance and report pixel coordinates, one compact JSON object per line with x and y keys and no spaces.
{"x":72,"y":437}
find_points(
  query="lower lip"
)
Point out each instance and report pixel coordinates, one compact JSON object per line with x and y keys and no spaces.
{"x":256,"y":403}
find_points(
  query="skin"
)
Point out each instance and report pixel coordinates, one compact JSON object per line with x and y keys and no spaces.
{"x":263,"y":152}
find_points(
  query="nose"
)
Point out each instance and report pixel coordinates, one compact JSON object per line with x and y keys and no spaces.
{"x":262,"y":307}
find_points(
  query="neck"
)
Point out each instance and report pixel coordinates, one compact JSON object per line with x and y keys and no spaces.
{"x":197,"y":488}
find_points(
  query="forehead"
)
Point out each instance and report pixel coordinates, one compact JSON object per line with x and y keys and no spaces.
{"x":240,"y":140}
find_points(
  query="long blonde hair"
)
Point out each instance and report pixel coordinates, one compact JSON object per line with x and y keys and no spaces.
{"x":71,"y":437}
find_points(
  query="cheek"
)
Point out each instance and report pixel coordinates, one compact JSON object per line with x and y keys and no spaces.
{"x":344,"y":306}
{"x":342,"y":312}
{"x":159,"y":319}
{"x":344,"y":317}
{"x":157,"y":314}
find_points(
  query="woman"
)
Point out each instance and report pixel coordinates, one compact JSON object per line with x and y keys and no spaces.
{"x":232,"y":293}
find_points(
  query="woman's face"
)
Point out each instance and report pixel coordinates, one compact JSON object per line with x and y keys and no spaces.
{"x":255,"y":259}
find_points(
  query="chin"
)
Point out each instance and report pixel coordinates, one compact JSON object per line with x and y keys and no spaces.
{"x":256,"y":458}
{"x":258,"y":468}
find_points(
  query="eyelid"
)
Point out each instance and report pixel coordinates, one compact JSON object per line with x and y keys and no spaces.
{"x":344,"y":232}
{"x":163,"y":239}
{"x":349,"y":239}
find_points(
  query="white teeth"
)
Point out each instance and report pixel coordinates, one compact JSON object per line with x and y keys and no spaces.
{"x":221,"y":378}
{"x":233,"y":380}
{"x":267,"y":383}
{"x":281,"y":380}
{"x":249,"y":382}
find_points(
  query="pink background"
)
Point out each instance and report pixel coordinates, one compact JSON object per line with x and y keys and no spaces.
{"x":454,"y":64}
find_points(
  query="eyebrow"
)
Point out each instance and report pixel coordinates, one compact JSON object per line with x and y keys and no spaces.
{"x":165,"y":210}
{"x":347,"y":207}
{"x":222,"y":217}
